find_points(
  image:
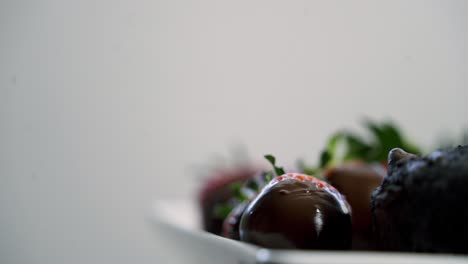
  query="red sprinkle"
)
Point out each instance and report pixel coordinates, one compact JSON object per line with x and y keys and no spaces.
{"x":300,"y":177}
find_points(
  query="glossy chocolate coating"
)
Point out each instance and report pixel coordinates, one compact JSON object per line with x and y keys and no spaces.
{"x":357,"y":181}
{"x":293,"y":214}
{"x":232,"y":222}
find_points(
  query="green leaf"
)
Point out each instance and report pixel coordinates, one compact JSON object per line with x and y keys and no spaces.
{"x":332,"y":153}
{"x":411,"y":148}
{"x":251,"y":184}
{"x":271,"y":159}
{"x":356,"y":147}
{"x":236,"y":189}
{"x":222,"y":210}
{"x":325,"y":158}
{"x":278,"y":170}
{"x":269,"y":176}
{"x":386,"y":137}
{"x":333,"y":142}
{"x":345,"y":145}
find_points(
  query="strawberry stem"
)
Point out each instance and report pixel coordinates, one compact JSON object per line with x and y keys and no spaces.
{"x":277,"y":170}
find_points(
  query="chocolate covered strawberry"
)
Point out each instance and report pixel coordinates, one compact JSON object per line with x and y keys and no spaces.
{"x":357,"y":180}
{"x":297,"y":211}
{"x":215,"y":196}
{"x":232,"y":222}
{"x":243,"y":195}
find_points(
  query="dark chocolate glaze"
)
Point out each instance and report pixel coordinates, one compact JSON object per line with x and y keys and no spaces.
{"x":232,"y":222}
{"x":294,"y":214}
{"x":356,"y":181}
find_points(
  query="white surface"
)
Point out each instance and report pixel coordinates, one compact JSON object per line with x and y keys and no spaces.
{"x":176,"y":220}
{"x":104,"y":105}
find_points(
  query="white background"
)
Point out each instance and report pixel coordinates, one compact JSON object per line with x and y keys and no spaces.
{"x":107,"y":105}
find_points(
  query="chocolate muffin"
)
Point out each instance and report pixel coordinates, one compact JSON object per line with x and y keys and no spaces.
{"x":420,"y":205}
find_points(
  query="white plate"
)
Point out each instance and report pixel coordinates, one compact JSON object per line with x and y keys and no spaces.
{"x":178,"y":222}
